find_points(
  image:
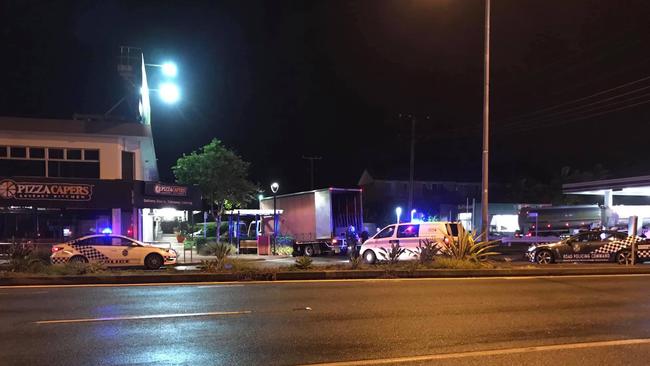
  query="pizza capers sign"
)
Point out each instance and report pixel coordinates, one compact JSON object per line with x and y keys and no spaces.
{"x":10,"y":189}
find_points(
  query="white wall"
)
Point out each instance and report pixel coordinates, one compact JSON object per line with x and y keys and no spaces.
{"x":110,"y":150}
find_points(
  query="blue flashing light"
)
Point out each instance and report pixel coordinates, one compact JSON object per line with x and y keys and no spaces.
{"x":107,"y":231}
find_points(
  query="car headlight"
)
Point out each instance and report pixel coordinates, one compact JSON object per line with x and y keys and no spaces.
{"x":532,"y":247}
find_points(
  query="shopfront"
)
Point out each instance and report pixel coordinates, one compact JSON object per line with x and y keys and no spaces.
{"x":53,"y":210}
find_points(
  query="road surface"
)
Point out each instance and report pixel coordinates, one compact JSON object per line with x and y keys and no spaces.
{"x":596,"y":320}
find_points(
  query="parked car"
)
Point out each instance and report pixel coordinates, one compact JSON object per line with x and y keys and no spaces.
{"x":590,"y":246}
{"x":408,"y":236}
{"x":112,"y":250}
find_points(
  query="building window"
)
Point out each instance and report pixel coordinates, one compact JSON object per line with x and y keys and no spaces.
{"x":55,"y":153}
{"x":36,"y":153}
{"x":73,"y":154}
{"x":91,"y":155}
{"x":49,"y":162}
{"x":72,"y":169}
{"x":18,"y":152}
{"x":22,"y":168}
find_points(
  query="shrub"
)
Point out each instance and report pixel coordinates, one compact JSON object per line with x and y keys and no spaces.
{"x":427,"y":251}
{"x":467,"y":247}
{"x":355,"y":261}
{"x":200,"y":243}
{"x":211,"y":228}
{"x":453,"y":263}
{"x":211,"y":265}
{"x":392,"y":255}
{"x":220,"y":250}
{"x":303,"y":263}
{"x":75,"y":268}
{"x":21,"y":259}
{"x":284,"y":250}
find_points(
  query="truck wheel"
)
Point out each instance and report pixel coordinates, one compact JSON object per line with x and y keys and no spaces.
{"x":369,"y":256}
{"x":309,"y":250}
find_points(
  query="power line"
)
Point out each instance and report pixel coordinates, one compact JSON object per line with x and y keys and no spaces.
{"x":581,"y":108}
{"x":579,"y":99}
{"x":561,"y":122}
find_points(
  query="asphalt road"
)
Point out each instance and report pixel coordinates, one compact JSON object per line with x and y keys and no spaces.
{"x":571,"y":320}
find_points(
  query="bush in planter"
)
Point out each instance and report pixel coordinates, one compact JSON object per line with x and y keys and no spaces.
{"x":211,"y":230}
{"x":303,"y":263}
{"x":467,"y":247}
{"x":220,"y":250}
{"x":284,"y":250}
{"x":200,"y":243}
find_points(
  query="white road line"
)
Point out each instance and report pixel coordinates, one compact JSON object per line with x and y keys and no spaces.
{"x":496,"y":352}
{"x":240,"y":283}
{"x":217,"y":286}
{"x":23,"y":293}
{"x":141,"y":317}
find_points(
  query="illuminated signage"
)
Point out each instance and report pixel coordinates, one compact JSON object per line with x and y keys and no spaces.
{"x":10,"y":189}
{"x":160,"y":189}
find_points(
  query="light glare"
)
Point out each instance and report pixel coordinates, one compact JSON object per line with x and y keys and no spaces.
{"x":169,"y":93}
{"x":169,"y":69}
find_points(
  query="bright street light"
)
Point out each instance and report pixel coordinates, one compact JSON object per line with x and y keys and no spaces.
{"x":260,"y":197}
{"x":275,"y":187}
{"x":169,"y":69}
{"x":169,"y":93}
{"x":413,"y":211}
{"x":398,"y":213}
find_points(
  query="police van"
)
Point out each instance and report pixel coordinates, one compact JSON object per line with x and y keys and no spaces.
{"x":112,"y":250}
{"x":409,"y":236}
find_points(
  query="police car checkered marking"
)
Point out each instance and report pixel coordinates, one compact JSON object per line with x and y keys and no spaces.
{"x":90,"y":253}
{"x":643,"y":253}
{"x":615,"y":246}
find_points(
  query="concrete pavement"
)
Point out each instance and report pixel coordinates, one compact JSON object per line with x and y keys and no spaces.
{"x":291,"y":323}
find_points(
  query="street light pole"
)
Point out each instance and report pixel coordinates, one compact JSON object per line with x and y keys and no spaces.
{"x":486,"y":127}
{"x":274,"y":188}
{"x":412,"y":164}
{"x":311,"y":162}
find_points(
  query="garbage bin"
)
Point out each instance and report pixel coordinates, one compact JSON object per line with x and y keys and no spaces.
{"x":264,"y":244}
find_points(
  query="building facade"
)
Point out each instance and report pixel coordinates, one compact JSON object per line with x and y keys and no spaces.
{"x":61,"y":179}
{"x":430,"y":197}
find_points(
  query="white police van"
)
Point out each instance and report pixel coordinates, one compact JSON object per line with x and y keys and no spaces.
{"x":409,"y":236}
{"x":112,"y":250}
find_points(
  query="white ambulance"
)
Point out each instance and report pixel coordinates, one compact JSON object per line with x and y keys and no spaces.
{"x":408,"y":235}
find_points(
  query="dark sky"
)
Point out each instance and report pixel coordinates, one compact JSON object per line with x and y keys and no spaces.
{"x":276,"y":80}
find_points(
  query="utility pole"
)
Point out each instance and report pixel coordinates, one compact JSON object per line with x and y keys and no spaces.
{"x":412,"y":164}
{"x":485,"y":225}
{"x":311,"y":163}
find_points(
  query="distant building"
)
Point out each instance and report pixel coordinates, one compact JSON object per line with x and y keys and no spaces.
{"x":61,"y":179}
{"x":443,"y":200}
{"x":438,"y":198}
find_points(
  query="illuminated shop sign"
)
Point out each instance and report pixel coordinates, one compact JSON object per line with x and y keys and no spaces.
{"x":11,"y":189}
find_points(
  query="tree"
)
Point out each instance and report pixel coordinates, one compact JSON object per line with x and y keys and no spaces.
{"x":220,"y":174}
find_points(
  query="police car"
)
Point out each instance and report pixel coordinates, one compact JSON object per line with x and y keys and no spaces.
{"x":591,"y":246}
{"x":112,"y":250}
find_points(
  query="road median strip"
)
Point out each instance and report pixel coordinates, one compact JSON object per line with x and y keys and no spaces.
{"x":162,"y":278}
{"x":487,"y":353}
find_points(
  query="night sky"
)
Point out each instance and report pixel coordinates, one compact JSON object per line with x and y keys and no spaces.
{"x":276,"y":80}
